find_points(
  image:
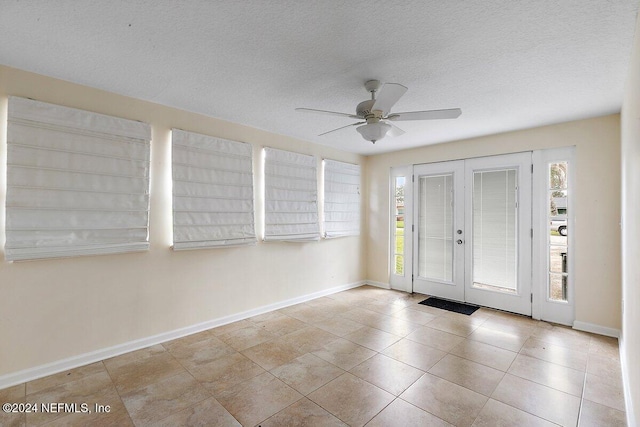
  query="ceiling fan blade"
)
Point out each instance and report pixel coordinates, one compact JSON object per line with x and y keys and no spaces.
{"x":330,"y":113}
{"x":394,"y":131}
{"x":426,"y":115}
{"x":341,"y":128}
{"x":388,"y":96}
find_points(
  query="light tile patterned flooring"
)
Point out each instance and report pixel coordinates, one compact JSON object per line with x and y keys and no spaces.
{"x":364,"y":356}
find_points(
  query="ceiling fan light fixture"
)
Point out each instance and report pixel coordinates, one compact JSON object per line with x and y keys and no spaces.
{"x":374,"y":131}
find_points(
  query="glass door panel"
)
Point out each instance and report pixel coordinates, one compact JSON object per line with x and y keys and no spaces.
{"x":435,"y":222}
{"x":494,"y":230}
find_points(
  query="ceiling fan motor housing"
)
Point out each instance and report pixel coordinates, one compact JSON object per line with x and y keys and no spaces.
{"x":364,"y":110}
{"x":364,"y":107}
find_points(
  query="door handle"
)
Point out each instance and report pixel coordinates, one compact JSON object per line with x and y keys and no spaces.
{"x":459,"y":241}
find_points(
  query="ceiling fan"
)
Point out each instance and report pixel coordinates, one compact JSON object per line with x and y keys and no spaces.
{"x":376,"y":112}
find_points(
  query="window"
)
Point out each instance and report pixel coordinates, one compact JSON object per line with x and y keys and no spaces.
{"x":291,"y":206}
{"x":398,"y":200}
{"x":341,"y":199}
{"x":558,"y":248}
{"x":77,"y":182}
{"x":212,"y":192}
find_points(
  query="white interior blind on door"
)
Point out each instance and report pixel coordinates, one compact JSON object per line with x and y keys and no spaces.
{"x":495,"y":228}
{"x":291,"y":197}
{"x":435,"y":227}
{"x":77,"y":182}
{"x":212,"y":192}
{"x":341,"y":199}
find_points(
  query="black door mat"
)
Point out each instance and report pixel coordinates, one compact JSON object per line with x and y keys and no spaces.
{"x":456,"y":307}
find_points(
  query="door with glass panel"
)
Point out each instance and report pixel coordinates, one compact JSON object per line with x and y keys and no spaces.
{"x":472,"y":238}
{"x":438,"y":225}
{"x":498,"y":225}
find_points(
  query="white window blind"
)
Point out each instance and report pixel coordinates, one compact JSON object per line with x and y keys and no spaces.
{"x":77,"y":182}
{"x":495,"y":228}
{"x":341,"y":199}
{"x":291,"y":197}
{"x":212,"y":192}
{"x":435,"y":227}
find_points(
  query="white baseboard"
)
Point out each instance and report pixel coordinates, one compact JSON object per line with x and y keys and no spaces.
{"x":624,"y":364}
{"x":377,"y":284}
{"x":34,"y":373}
{"x":596,"y":329}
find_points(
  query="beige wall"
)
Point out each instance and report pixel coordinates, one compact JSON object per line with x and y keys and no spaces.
{"x":630,"y":343}
{"x":54,"y":309}
{"x":597,"y":199}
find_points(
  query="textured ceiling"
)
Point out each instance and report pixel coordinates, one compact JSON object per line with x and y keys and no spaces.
{"x":508,"y":64}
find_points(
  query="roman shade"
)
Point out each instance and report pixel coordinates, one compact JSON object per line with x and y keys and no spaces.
{"x":212,"y":192}
{"x":291,"y":206}
{"x":77,"y":182}
{"x":341,"y":199}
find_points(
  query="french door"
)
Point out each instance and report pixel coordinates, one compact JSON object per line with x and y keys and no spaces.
{"x":472,"y":240}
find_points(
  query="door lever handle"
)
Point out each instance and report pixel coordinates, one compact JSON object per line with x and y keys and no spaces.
{"x":459,"y":241}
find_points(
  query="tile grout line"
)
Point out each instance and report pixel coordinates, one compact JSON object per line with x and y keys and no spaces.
{"x":406,"y":401}
{"x":283,"y":409}
{"x":584,"y":389}
{"x":117,"y":391}
{"x":530,"y":413}
{"x":325,"y":409}
{"x":385,"y":407}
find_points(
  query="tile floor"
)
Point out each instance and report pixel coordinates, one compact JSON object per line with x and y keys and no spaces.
{"x":366,"y":356}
